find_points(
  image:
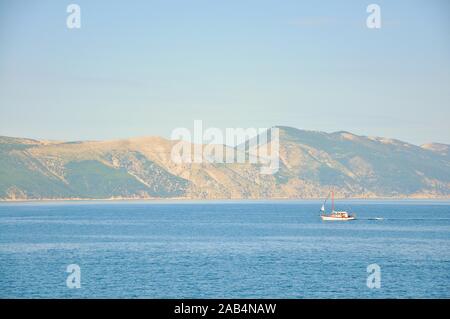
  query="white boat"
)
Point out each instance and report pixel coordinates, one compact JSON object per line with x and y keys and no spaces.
{"x":338,"y":216}
{"x":335,"y":215}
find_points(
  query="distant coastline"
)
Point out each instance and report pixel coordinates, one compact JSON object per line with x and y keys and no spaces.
{"x":311,"y":164}
{"x":218,"y":200}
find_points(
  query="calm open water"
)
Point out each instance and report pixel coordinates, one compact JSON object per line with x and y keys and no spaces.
{"x":229,"y":249}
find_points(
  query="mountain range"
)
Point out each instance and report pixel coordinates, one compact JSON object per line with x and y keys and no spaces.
{"x":311,"y":165}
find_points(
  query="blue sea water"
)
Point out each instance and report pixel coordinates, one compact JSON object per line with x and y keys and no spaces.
{"x":273,"y":249}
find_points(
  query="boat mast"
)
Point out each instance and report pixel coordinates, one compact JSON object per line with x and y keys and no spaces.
{"x":332,"y":201}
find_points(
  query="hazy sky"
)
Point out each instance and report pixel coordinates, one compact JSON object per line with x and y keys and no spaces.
{"x":146,"y":67}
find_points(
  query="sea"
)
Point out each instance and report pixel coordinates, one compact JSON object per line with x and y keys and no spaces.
{"x":224,"y":249}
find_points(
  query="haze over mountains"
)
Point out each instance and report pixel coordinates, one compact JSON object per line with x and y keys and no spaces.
{"x":311,"y":164}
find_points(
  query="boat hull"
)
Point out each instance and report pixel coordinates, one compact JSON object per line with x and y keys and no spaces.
{"x":337,"y":218}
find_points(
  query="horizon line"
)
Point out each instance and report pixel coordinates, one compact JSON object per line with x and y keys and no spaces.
{"x":63,"y":141}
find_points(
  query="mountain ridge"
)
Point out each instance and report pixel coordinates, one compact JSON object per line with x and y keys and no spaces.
{"x":311,"y":164}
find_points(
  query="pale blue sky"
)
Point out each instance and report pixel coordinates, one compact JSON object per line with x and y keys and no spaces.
{"x":145,"y":67}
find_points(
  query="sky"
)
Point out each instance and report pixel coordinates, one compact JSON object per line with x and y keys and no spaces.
{"x":138,"y":68}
